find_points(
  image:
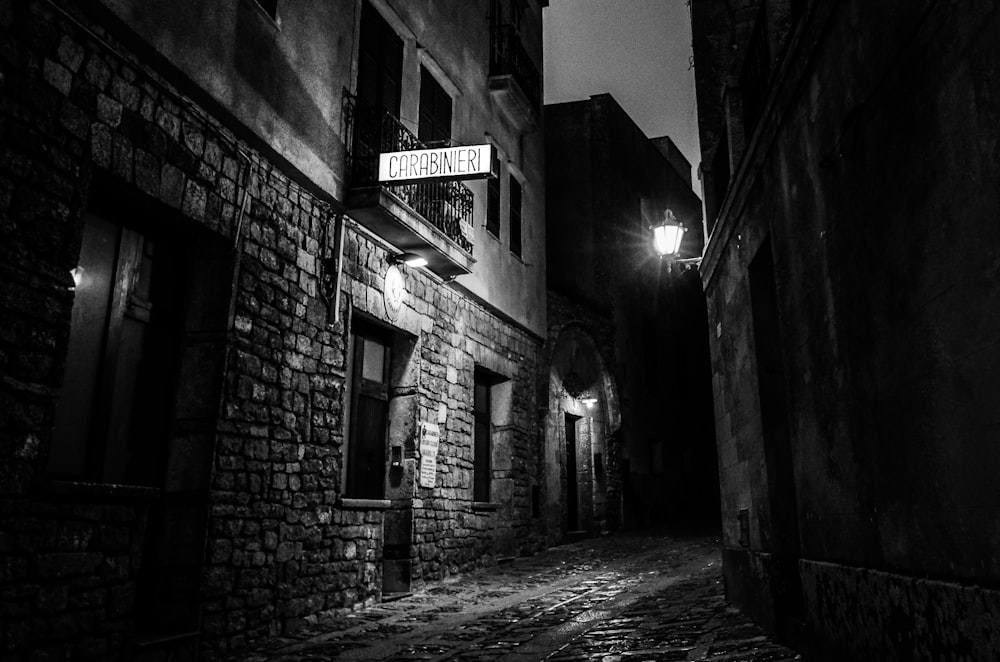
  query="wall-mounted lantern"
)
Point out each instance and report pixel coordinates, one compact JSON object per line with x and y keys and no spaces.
{"x":410,"y":260}
{"x":77,"y":275}
{"x":667,"y":235}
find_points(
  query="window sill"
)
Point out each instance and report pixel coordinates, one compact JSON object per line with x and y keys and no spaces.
{"x":364,"y":504}
{"x":484,"y":506}
{"x":99,"y":491}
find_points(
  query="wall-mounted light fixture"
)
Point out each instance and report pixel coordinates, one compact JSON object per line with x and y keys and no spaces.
{"x":77,"y":274}
{"x":667,"y":235}
{"x":588,"y":401}
{"x":409,"y":259}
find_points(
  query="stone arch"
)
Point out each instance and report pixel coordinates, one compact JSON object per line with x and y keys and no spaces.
{"x":577,"y":373}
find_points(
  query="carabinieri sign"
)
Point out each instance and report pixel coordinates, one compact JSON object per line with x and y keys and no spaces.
{"x":446,"y":163}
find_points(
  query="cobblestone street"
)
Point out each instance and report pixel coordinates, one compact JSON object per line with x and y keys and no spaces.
{"x":627,"y":597}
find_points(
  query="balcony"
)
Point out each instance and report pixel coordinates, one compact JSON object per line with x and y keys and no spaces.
{"x":514,"y":81}
{"x":424,"y":218}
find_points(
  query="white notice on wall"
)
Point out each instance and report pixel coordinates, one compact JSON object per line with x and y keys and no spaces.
{"x":430,"y":439}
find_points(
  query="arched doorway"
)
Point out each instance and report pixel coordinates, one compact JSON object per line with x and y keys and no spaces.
{"x":583,"y":481}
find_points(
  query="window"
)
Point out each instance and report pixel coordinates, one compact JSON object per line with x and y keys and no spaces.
{"x":380,"y":63}
{"x":515,"y":216}
{"x":483,"y":442}
{"x":435,"y":111}
{"x":111,"y":413}
{"x":510,"y":12}
{"x":366,"y":456}
{"x":493,"y":206}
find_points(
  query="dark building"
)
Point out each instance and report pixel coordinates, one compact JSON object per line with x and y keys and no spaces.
{"x":850,"y":172}
{"x":226,"y":405}
{"x":625,"y":327}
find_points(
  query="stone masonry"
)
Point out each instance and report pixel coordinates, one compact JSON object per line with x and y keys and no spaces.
{"x":274,"y":545}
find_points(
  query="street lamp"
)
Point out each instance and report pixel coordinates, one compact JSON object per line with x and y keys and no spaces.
{"x":667,"y":235}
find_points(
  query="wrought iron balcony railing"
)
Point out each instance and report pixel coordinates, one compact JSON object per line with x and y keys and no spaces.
{"x":370,"y":132}
{"x":508,"y":57}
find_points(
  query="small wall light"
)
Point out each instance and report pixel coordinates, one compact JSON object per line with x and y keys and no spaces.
{"x":410,"y":260}
{"x":667,"y":235}
{"x":77,"y":274}
{"x":589,"y":401}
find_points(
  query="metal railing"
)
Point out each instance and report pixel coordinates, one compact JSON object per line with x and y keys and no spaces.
{"x":371,"y":131}
{"x":508,"y":56}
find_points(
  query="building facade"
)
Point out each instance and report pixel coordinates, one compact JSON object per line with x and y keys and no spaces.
{"x":849,"y":167}
{"x":227,"y":405}
{"x":626,"y":327}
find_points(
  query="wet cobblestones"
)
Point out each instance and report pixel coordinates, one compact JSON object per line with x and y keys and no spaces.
{"x":625,"y":598}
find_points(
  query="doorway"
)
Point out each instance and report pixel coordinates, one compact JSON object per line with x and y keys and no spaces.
{"x":572,"y":476}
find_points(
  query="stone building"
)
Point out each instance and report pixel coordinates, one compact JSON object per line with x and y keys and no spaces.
{"x":850,"y":166}
{"x":628,"y":383}
{"x":227,"y":406}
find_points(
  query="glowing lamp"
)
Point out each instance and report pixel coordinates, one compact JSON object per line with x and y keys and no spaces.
{"x":410,"y":260}
{"x":667,"y":235}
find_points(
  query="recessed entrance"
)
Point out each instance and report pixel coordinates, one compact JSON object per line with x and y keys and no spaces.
{"x":572,"y":476}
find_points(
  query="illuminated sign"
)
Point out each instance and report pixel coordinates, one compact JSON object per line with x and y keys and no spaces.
{"x":445,"y":163}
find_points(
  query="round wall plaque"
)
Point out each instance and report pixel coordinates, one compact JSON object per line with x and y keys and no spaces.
{"x":393,"y":292}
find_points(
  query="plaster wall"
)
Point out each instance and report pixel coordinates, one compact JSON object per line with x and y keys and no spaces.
{"x":284,"y":80}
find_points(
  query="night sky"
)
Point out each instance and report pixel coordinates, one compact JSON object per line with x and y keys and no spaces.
{"x":638,"y":51}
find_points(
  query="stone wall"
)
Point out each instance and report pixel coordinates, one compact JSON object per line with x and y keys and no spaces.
{"x":574,"y":323}
{"x":256,"y":445}
{"x":873,"y":353}
{"x":452,"y":335}
{"x":67,"y":573}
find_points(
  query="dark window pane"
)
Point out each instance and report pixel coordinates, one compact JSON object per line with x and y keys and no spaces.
{"x":435,"y":110}
{"x":481,"y":470}
{"x":515,"y":217}
{"x":366,"y":456}
{"x":481,"y":401}
{"x":380,"y":63}
{"x":374,"y":361}
{"x":367,"y":464}
{"x":493,"y":206}
{"x":483,"y":446}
